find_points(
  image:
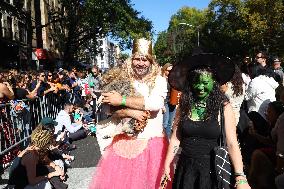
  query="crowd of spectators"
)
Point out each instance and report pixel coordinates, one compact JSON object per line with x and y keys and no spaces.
{"x":257,"y":97}
{"x":29,"y":84}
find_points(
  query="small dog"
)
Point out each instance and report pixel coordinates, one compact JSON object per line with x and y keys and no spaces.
{"x":116,"y":80}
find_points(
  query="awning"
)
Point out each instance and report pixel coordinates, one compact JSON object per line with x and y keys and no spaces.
{"x":40,"y":53}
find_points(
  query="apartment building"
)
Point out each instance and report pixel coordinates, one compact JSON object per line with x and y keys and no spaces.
{"x":44,"y":41}
{"x":26,"y":29}
{"x":108,"y":54}
{"x":13,"y":33}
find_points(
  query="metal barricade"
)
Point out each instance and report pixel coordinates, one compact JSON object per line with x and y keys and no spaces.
{"x":16,"y":126}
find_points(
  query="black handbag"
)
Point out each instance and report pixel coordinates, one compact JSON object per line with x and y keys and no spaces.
{"x":223,"y":166}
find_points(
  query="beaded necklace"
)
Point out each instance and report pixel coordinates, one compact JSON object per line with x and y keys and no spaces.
{"x":200,"y":109}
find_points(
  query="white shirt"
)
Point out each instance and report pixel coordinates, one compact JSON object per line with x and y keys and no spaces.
{"x":63,"y":118}
{"x":246,"y":80}
{"x":260,"y":92}
{"x":154,"y":101}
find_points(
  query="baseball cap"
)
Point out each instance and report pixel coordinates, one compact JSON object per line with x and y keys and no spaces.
{"x":276,"y":60}
{"x":60,"y":71}
{"x":48,"y":121}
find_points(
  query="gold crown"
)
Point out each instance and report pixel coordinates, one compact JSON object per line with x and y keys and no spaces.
{"x":142,"y":47}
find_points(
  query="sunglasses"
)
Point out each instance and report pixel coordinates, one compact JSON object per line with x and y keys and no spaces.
{"x":259,"y":57}
{"x":49,"y":75}
{"x":42,"y":75}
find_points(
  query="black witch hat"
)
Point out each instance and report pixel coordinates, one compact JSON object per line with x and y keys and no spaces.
{"x":222,"y":67}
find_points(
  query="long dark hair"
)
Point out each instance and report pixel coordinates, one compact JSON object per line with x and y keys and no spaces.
{"x":213,"y":102}
{"x":237,"y":82}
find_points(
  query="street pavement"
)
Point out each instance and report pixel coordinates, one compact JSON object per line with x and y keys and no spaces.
{"x":82,"y":168}
{"x":87,"y":156}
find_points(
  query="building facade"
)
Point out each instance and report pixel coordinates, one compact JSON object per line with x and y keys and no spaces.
{"x":108,"y":54}
{"x":13,"y":33}
{"x":46,"y":29}
{"x":28,"y":33}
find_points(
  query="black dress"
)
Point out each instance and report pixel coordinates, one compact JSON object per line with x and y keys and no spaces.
{"x":195,"y":168}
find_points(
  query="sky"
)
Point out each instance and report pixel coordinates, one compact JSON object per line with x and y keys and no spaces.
{"x":160,"y":11}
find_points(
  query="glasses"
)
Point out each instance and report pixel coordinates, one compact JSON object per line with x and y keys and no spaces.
{"x":49,"y":75}
{"x":257,"y":57}
{"x":42,"y":75}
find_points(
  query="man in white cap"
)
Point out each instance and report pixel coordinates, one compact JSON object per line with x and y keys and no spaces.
{"x":277,"y":68}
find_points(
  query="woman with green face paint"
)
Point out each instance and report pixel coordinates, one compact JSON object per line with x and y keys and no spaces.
{"x":202,"y":85}
{"x":196,"y":128}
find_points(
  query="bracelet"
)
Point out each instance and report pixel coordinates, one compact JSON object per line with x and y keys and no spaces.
{"x":240,"y":174}
{"x":241,"y":181}
{"x":123,"y":101}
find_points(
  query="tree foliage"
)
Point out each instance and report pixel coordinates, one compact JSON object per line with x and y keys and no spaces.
{"x":181,"y":35}
{"x":82,"y":22}
{"x":161,"y":49}
{"x":235,"y":28}
{"x":247,"y":26}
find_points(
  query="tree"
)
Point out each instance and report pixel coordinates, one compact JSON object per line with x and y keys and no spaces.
{"x":84,"y":21}
{"x":124,"y":56}
{"x":161,"y":49}
{"x":234,"y":28}
{"x":181,"y":36}
{"x":227,"y":26}
{"x":246,"y":26}
{"x":265,"y":19}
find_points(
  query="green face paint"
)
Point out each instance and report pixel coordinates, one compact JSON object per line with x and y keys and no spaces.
{"x":202,"y":85}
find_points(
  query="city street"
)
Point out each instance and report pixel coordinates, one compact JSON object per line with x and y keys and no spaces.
{"x":87,"y":156}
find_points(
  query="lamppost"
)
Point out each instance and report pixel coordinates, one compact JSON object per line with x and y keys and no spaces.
{"x":190,"y":25}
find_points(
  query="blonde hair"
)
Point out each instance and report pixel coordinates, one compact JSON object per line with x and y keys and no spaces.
{"x":165,"y":67}
{"x":41,"y":138}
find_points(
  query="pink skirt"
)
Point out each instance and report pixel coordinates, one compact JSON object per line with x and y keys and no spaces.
{"x":131,"y":164}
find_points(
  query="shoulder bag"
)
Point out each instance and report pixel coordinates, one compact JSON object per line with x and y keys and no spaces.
{"x":223,"y":167}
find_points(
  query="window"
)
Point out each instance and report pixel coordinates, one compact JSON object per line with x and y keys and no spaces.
{"x":9,"y":28}
{"x":22,"y":32}
{"x":1,"y":25}
{"x":52,"y":5}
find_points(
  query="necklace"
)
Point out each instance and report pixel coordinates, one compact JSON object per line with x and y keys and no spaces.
{"x":200,"y":104}
{"x":200,"y":109}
